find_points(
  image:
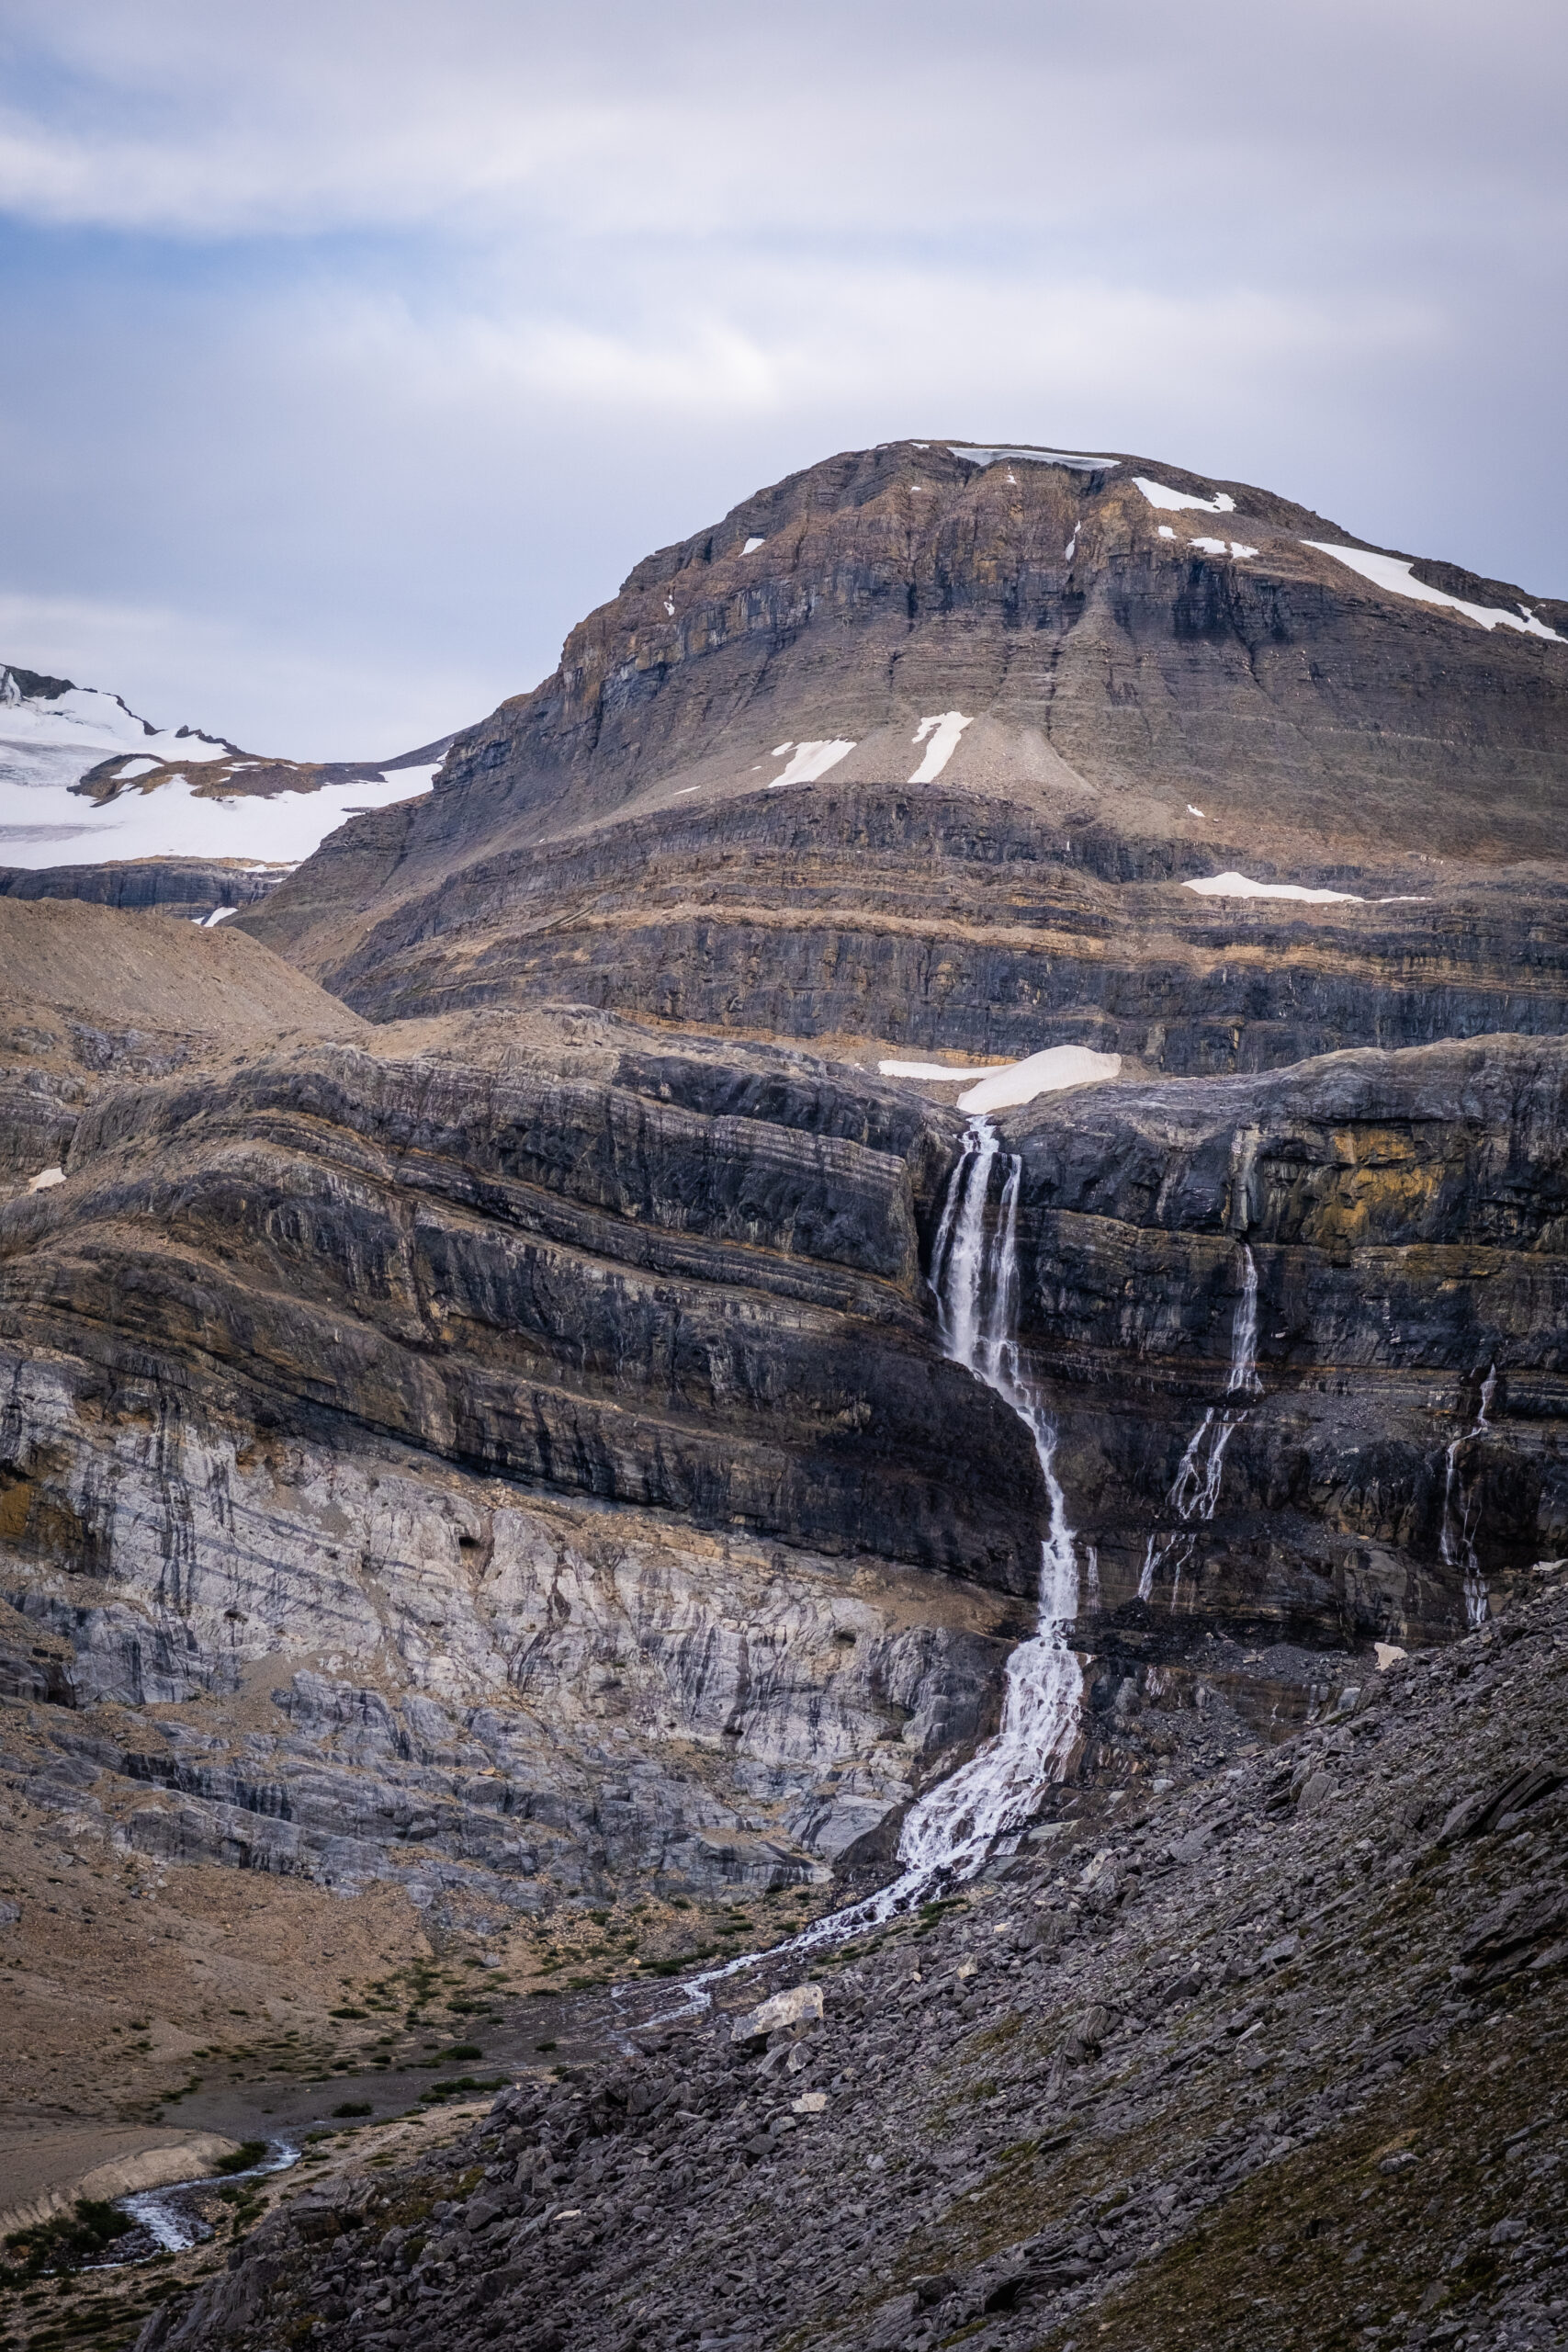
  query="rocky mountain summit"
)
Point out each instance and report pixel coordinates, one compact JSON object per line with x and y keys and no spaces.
{"x":912,"y":1225}
{"x":926,"y":747}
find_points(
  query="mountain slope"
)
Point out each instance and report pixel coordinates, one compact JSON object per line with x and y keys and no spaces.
{"x":915,"y":748}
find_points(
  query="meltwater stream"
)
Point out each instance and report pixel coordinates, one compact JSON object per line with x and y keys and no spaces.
{"x":952,"y":1830}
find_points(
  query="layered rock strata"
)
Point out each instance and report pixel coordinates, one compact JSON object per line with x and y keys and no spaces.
{"x":306,"y":1355}
{"x":1014,"y":703}
{"x":1302,"y":1334}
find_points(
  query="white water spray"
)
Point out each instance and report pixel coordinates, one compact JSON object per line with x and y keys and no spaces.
{"x":1461,"y":1514}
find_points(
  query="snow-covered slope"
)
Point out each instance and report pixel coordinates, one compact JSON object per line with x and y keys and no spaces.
{"x":83,"y":781}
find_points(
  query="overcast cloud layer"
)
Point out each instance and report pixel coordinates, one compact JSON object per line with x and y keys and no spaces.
{"x":354,"y":351}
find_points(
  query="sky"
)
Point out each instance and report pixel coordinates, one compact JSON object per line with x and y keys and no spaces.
{"x":356,"y":351}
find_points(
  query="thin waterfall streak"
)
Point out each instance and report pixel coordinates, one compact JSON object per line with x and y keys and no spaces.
{"x":1461,"y":1513}
{"x":1244,"y":1379}
{"x":1195,"y":1489}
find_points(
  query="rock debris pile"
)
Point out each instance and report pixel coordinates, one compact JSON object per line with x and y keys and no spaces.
{"x":1280,"y":2059}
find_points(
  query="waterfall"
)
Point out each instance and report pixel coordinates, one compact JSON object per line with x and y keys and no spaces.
{"x":1195,"y":1489}
{"x":1244,"y":1379}
{"x":949,"y":1831}
{"x":1456,"y":1546}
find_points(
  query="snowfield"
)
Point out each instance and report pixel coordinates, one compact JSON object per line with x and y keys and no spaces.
{"x":1393,"y":572}
{"x":48,"y":744}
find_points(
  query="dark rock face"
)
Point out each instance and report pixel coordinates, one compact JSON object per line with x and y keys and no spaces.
{"x":1142,"y":704}
{"x":570,"y":1279}
{"x":189,"y":886}
{"x":1258,"y":2057}
{"x":1403,"y":1217}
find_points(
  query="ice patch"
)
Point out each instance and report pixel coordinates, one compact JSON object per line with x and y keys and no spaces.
{"x":1393,"y":572}
{"x":949,"y":726}
{"x":1159,"y":493}
{"x":46,"y":1179}
{"x":1032,"y":458}
{"x":810,"y":760}
{"x":1238,"y":885}
{"x":753,"y":545}
{"x":937,"y":1070}
{"x":1044,"y":1073}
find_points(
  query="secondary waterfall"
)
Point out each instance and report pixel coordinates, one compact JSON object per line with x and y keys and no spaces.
{"x":1456,"y":1546}
{"x":1195,"y":1490}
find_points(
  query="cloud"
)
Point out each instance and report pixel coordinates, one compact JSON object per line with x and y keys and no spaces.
{"x":395,"y":336}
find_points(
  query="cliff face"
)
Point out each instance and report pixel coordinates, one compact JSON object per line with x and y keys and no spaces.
{"x":306,"y":1359}
{"x":523,"y":1385}
{"x":1302,"y":1334}
{"x":1014,"y":706}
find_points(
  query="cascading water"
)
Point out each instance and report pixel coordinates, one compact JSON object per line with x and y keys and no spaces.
{"x":950,"y":1832}
{"x":1461,"y":1516}
{"x":1195,"y":1490}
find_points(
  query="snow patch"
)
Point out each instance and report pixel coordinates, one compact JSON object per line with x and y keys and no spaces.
{"x":1241,"y":552}
{"x":1168,"y":530}
{"x":1208,"y":546}
{"x":1045,"y":1073}
{"x":937,"y":1069}
{"x":753,"y":545}
{"x":1193,"y":812}
{"x":949,"y":726}
{"x":1032,"y":458}
{"x":1239,"y":885}
{"x":670,"y":607}
{"x":46,"y":1179}
{"x":1393,"y":572}
{"x":1159,"y":493}
{"x":811,"y":761}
